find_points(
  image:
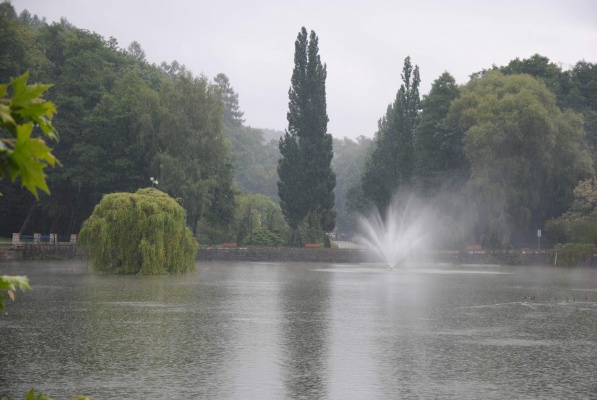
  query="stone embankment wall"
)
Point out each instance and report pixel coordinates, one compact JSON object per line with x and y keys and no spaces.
{"x":280,"y":254}
{"x":40,"y":251}
{"x":57,"y":250}
{"x":39,"y":246}
{"x":289,"y":254}
{"x":8,"y":253}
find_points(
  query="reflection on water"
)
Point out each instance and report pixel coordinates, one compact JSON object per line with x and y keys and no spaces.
{"x":304,"y":299}
{"x":313,"y":331}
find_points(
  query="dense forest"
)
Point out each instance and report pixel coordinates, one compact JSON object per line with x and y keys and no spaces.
{"x":508,"y":148}
{"x":121,"y":121}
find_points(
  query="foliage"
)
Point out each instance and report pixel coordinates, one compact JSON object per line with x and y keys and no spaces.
{"x":114,"y":111}
{"x":229,"y":98}
{"x":23,"y":155}
{"x":326,"y":242}
{"x":258,"y":221}
{"x":575,"y":89}
{"x":571,"y":254}
{"x":309,"y":230}
{"x":191,"y":152}
{"x":515,"y":258}
{"x":266,"y":238}
{"x":439,"y":152}
{"x":541,"y":68}
{"x":306,"y":180}
{"x":392,"y":163}
{"x":20,"y":154}
{"x":10,"y":284}
{"x":525,"y":154}
{"x":31,"y":395}
{"x":579,"y":222}
{"x":255,"y":160}
{"x":348,"y":164}
{"x":140,"y":233}
{"x":123,"y":120}
{"x":84,"y":70}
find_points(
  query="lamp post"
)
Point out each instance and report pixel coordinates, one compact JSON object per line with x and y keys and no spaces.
{"x":154,"y":182}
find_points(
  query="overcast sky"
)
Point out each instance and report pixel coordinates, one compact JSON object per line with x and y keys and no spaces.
{"x":363,"y":43}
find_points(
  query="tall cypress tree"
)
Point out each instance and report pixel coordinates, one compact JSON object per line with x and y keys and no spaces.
{"x":306,"y":180}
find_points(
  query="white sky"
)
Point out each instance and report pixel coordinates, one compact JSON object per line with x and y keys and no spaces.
{"x":363,"y":43}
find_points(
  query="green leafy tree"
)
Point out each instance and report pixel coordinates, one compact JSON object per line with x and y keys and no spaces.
{"x":306,"y":180}
{"x":191,"y":153}
{"x":258,"y":221}
{"x":575,"y":89}
{"x":21,"y":50}
{"x":33,"y":21}
{"x":141,"y":233}
{"x":232,"y":114}
{"x":254,"y":161}
{"x":541,"y":68}
{"x":579,"y":223}
{"x":84,"y":71}
{"x":439,"y":152}
{"x":392,"y":163}
{"x":582,"y":98}
{"x":136,"y":51}
{"x":525,"y":154}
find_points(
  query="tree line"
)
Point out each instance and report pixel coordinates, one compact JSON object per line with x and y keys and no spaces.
{"x":122,"y":120}
{"x":502,"y":153}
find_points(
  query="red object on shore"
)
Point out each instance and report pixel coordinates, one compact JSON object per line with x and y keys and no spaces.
{"x":311,"y":245}
{"x":229,"y":244}
{"x":475,"y":247}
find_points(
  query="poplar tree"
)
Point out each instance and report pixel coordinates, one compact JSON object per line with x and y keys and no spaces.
{"x":306,"y":180}
{"x":439,"y":152}
{"x":392,"y":163}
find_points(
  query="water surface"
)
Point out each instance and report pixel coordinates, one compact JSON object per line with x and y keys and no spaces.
{"x":294,"y":330}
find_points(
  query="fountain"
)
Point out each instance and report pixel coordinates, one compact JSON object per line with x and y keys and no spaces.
{"x":397,"y":234}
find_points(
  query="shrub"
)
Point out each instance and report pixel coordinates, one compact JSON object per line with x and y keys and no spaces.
{"x":265,"y":238}
{"x":572,"y":254}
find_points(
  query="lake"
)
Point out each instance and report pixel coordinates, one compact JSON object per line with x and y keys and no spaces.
{"x":302,"y":331}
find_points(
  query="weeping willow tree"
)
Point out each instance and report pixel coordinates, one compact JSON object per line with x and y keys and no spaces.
{"x":139,"y":233}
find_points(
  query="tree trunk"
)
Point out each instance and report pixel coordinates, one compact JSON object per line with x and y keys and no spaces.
{"x":29,"y":215}
{"x":58,"y":217}
{"x":195,"y":224}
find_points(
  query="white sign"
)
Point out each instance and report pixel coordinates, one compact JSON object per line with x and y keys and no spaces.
{"x":538,"y":232}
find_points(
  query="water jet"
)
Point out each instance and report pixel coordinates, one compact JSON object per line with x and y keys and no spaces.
{"x":405,"y":229}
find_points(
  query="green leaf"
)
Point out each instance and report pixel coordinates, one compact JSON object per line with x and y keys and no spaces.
{"x":30,"y":395}
{"x":4,"y":89}
{"x":29,"y":158}
{"x":10,"y":284}
{"x":19,"y":84}
{"x":40,"y":396}
{"x":6,"y":119}
{"x":29,"y":93}
{"x":14,"y":282}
